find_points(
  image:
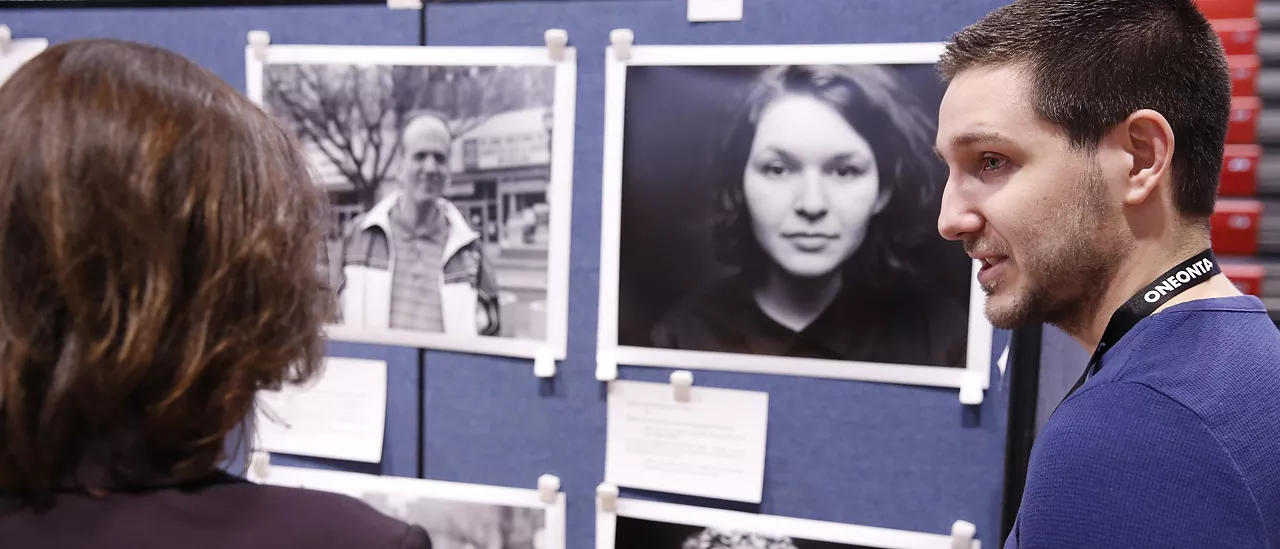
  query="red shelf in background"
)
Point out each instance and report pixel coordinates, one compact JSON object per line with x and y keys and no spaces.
{"x":1234,"y":226}
{"x":1244,"y":74}
{"x":1238,"y":36}
{"x":1228,"y":9}
{"x":1243,"y":127}
{"x":1246,"y":276}
{"x":1240,"y":170}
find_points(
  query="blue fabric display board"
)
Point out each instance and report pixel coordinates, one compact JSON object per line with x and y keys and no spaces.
{"x":1061,"y":361}
{"x":874,"y":454}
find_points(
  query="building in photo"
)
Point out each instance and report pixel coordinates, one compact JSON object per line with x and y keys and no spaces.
{"x":501,"y":172}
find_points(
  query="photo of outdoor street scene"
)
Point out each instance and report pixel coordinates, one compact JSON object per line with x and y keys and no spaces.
{"x":438,"y":181}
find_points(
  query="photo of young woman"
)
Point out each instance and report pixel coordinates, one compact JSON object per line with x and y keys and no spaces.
{"x":794,"y":215}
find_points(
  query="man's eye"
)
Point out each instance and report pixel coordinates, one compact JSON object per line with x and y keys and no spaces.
{"x":992,"y":163}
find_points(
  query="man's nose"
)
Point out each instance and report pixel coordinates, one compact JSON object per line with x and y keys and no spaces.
{"x":430,"y":164}
{"x":958,"y":216}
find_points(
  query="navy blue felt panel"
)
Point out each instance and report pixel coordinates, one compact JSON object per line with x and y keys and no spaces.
{"x":215,"y":38}
{"x":1062,"y":360}
{"x":403,"y":428}
{"x":883,"y":455}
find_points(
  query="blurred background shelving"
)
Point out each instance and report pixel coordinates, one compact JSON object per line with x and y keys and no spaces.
{"x":1246,"y":222}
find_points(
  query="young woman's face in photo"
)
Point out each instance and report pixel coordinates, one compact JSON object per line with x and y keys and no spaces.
{"x":811,"y":185}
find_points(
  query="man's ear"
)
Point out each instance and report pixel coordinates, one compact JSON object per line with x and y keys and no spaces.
{"x":1147,"y":141}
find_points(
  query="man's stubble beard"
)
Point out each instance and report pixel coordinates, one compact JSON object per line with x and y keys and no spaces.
{"x":1067,"y":274}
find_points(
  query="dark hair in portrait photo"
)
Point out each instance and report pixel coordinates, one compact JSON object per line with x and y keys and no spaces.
{"x":794,"y":215}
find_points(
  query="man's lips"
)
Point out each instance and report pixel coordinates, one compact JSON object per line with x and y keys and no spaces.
{"x":991,"y":261}
{"x":992,"y":266}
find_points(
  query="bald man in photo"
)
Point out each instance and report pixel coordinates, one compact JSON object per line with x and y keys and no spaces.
{"x":412,"y":262}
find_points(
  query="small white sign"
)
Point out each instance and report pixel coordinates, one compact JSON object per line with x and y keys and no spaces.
{"x":404,"y":4}
{"x":712,"y":445}
{"x":20,"y":51}
{"x":715,"y":10}
{"x":341,"y":414}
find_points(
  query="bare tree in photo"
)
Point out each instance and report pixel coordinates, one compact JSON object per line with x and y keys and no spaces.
{"x":469,"y":95}
{"x":352,"y":114}
{"x":344,"y":110}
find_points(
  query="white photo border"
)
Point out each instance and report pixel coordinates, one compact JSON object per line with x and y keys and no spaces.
{"x":833,"y":532}
{"x":980,"y":332}
{"x":559,"y":192}
{"x":20,"y":51}
{"x":352,"y":484}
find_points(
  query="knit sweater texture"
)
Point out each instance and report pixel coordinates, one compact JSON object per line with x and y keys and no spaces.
{"x":1174,"y":444}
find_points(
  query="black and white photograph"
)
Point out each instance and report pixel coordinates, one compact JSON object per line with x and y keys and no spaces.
{"x":639,"y":524}
{"x":648,"y":534}
{"x":444,"y":184}
{"x":463,"y":525}
{"x":784,"y":216}
{"x":455,"y":516}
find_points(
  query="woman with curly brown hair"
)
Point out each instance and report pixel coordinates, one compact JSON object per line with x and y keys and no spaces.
{"x":158,"y":241}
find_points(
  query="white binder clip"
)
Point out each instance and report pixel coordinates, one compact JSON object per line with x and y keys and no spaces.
{"x":606,"y":365}
{"x":259,"y":466}
{"x":607,"y":497}
{"x":258,"y":40}
{"x":970,"y":388}
{"x":548,"y":488}
{"x":556,"y":39}
{"x":544,"y":363}
{"x":6,"y":38}
{"x":682,"y":382}
{"x":622,"y":39}
{"x":962,"y":533}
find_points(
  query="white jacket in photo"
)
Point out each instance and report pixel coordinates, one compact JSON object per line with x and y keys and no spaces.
{"x":468,"y":289}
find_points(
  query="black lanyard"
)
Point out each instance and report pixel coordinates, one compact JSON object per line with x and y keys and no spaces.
{"x":1181,"y":278}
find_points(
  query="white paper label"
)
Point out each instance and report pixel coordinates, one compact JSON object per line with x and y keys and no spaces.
{"x":712,"y":445}
{"x":20,"y":51}
{"x":404,"y":4}
{"x":340,"y":415}
{"x":715,"y":10}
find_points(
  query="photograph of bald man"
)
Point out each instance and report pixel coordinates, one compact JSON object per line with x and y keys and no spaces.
{"x":439,"y":180}
{"x":413,"y":262}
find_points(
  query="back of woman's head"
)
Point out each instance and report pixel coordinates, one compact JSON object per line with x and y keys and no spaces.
{"x":158,"y":240}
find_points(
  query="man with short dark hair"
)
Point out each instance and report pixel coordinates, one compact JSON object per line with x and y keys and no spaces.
{"x":1085,"y":140}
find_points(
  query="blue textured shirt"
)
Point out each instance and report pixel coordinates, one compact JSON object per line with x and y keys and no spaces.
{"x":1174,"y":444}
